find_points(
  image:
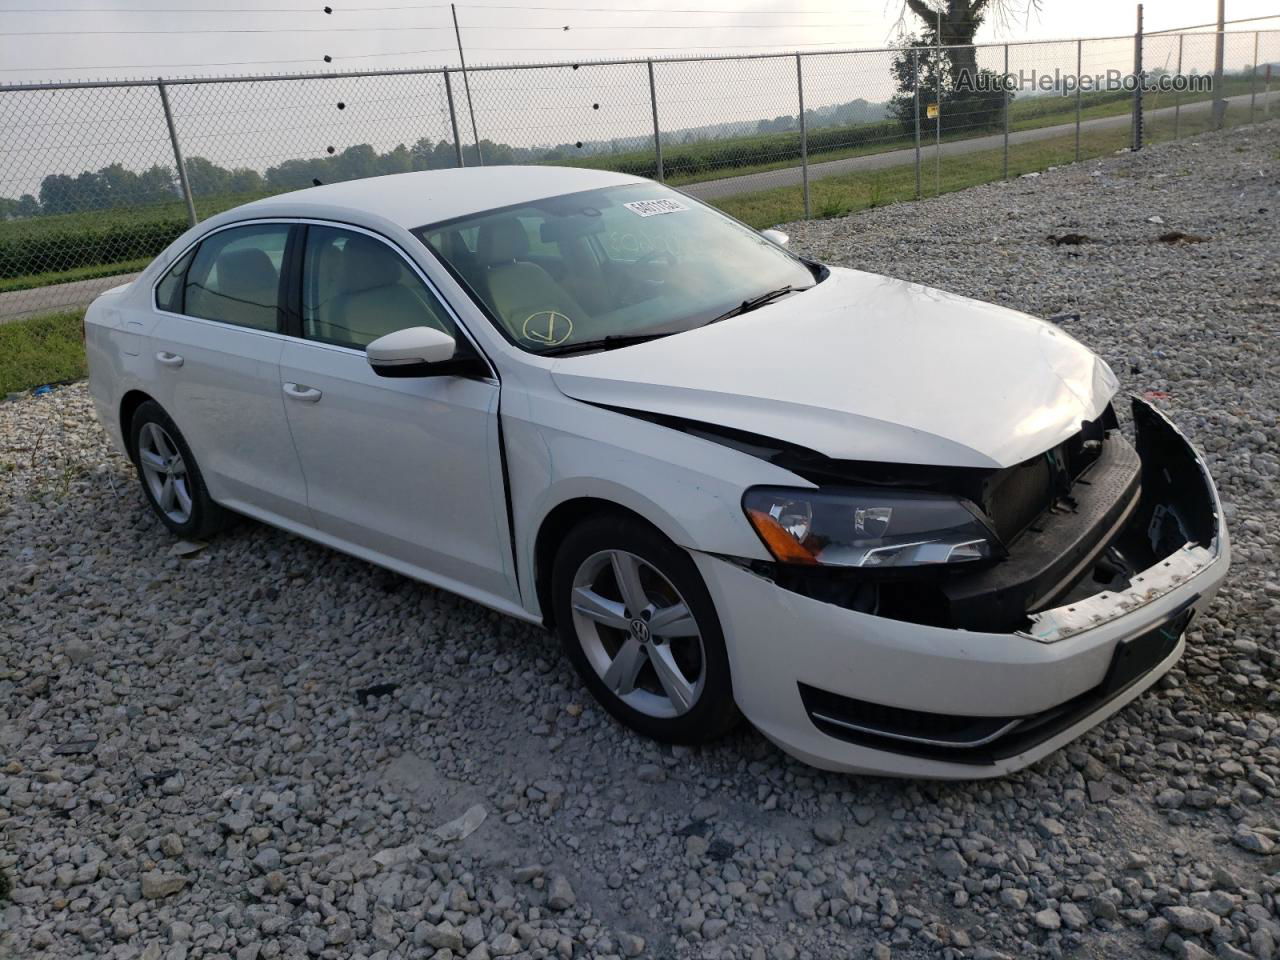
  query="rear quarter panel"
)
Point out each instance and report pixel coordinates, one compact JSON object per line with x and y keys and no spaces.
{"x":113,"y":335}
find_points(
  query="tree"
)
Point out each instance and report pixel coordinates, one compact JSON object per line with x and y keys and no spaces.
{"x":246,"y":180}
{"x":206,"y":177}
{"x":960,"y":20}
{"x":57,"y":193}
{"x":969,"y":101}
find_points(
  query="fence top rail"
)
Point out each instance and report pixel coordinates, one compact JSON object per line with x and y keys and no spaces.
{"x":562,"y":64}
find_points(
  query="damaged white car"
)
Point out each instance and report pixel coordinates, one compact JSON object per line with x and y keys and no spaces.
{"x":898,"y":530}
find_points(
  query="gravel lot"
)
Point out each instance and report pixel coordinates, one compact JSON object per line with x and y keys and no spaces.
{"x":265,"y":749}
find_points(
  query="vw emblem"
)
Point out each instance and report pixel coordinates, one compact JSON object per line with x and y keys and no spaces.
{"x":640,"y":630}
{"x":548,"y":327}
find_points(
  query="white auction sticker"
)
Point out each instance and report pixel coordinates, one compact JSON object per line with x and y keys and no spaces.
{"x":651,"y":208}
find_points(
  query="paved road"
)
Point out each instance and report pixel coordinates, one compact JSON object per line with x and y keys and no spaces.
{"x":17,"y":304}
{"x":791,"y":176}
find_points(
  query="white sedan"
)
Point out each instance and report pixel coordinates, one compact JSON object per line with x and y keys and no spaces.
{"x":900,"y":531}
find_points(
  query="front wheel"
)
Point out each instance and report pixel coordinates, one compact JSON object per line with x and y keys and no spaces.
{"x":636,"y":621}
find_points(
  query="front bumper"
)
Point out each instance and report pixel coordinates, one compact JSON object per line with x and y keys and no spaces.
{"x":851,"y":691}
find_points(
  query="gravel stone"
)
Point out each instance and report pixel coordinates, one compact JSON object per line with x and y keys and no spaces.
{"x":951,"y":864}
{"x":1073,"y":917}
{"x":561,"y":895}
{"x":805,"y":903}
{"x":828,"y":831}
{"x":1048,"y":920}
{"x":156,"y":884}
{"x":1190,"y":920}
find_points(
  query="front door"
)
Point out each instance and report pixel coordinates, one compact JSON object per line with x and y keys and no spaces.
{"x":408,"y":469}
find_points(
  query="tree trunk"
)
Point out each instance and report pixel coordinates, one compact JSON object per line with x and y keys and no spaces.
{"x":959,"y":21}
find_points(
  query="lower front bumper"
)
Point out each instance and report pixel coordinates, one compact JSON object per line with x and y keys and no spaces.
{"x":1073,"y":667}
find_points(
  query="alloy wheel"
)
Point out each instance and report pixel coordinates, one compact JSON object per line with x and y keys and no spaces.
{"x":638,"y":633}
{"x":165,"y":472}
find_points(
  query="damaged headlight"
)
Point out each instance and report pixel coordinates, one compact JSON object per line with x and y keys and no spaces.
{"x":868,"y":528}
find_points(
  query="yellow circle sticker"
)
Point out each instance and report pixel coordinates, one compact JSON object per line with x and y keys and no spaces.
{"x":549,"y":327}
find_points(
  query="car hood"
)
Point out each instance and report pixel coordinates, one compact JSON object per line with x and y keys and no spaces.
{"x":865,"y":367}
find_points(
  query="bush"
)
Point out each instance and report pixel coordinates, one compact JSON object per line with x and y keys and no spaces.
{"x":706,"y":156}
{"x":82,"y":240}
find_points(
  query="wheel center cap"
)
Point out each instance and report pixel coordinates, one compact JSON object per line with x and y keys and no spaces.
{"x":640,"y":630}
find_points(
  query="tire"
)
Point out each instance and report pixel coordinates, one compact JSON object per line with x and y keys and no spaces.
{"x":176,"y":489}
{"x":619,"y":659}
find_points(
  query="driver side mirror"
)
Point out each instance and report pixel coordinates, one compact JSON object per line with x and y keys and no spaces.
{"x":775,"y":236}
{"x":412,"y":352}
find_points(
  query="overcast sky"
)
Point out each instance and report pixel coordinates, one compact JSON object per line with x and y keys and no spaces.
{"x":99,"y":39}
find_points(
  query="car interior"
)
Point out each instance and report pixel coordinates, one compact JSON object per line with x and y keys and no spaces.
{"x":239,"y":287}
{"x":522,"y":267}
{"x":356,"y":289}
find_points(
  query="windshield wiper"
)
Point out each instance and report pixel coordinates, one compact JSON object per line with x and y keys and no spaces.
{"x":746,"y":306}
{"x":612,"y":342}
{"x":617,"y":340}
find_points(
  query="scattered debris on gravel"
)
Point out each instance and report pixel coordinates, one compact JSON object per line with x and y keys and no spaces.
{"x":264,"y":749}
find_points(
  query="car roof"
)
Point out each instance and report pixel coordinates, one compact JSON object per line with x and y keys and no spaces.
{"x":431,"y":196}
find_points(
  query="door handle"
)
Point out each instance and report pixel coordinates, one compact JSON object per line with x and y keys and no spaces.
{"x":298,"y":391}
{"x":169,"y":359}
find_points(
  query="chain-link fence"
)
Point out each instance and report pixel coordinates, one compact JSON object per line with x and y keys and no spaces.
{"x":98,"y":177}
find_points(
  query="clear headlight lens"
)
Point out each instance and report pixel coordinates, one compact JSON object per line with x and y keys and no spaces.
{"x":867,"y":528}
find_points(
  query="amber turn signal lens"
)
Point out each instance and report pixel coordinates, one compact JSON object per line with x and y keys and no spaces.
{"x":781,"y":544}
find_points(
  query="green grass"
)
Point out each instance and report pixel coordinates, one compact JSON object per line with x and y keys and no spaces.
{"x":845,"y":194}
{"x":848,"y":193}
{"x":41,"y":350}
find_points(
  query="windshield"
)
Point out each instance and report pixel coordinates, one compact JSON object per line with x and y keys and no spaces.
{"x":619,"y":262}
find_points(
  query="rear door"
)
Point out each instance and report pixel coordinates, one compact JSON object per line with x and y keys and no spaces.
{"x":407,"y":469}
{"x":215,"y":353}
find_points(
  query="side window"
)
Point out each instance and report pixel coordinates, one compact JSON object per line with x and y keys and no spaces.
{"x":169,"y":289}
{"x":356,"y":289}
{"x":235,"y":276}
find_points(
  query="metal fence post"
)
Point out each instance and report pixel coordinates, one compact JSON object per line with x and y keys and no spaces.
{"x":1177,"y":93}
{"x":937,"y":124}
{"x":1137,"y":89}
{"x":466,"y":85}
{"x":657,"y":131}
{"x":1253,"y":77}
{"x":804,"y":137}
{"x":453,"y":118}
{"x":1005,"y":84}
{"x":177,"y":154}
{"x":1219,"y":89}
{"x":1079,"y":73}
{"x":915,"y":82}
